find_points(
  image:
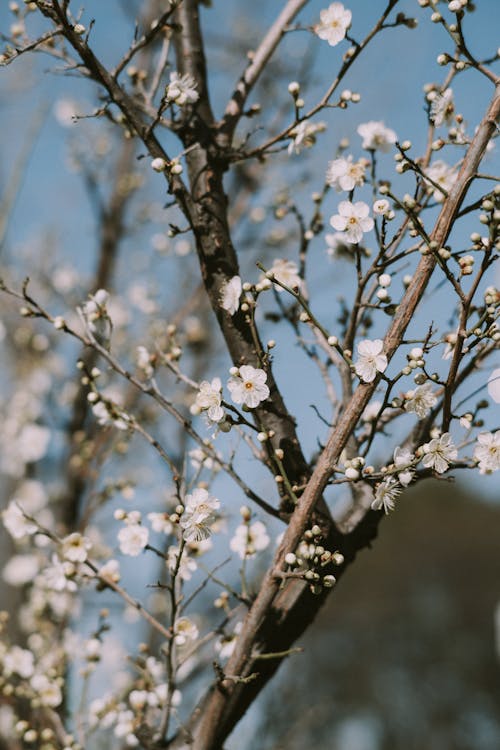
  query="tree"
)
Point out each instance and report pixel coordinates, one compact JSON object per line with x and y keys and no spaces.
{"x":397,"y":374}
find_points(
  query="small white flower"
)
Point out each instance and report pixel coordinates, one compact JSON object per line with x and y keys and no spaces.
{"x":353,"y":219}
{"x":18,"y":661}
{"x":209,"y":399}
{"x":439,"y":453}
{"x":184,"y":631}
{"x":375,"y":136}
{"x":421,"y":400}
{"x":381,"y":207}
{"x":158,"y":164}
{"x":75,"y":547}
{"x":181,"y":89}
{"x":198,"y":515}
{"x":248,"y":386}
{"x":248,"y":540}
{"x":33,"y":441}
{"x":111,"y":570}
{"x":132,"y":539}
{"x":345,"y":174}
{"x":494,"y":385}
{"x":403,"y":461}
{"x":48,"y":692}
{"x":304,"y":135}
{"x":443,"y":108}
{"x":57,"y":576}
{"x":333,"y":25}
{"x":230,"y":296}
{"x":487,"y":451}
{"x":286,"y":272}
{"x":20,"y":569}
{"x":385,"y":494}
{"x":443,"y":175}
{"x":371,"y":359}
{"x":16,"y":522}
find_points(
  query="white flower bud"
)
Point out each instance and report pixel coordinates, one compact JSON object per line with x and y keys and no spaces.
{"x":159,"y":165}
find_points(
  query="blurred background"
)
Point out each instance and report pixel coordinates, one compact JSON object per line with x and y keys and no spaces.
{"x":405,"y":655}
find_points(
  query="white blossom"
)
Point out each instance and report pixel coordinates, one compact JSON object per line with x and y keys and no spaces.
{"x":403,"y":460}
{"x":371,"y":359}
{"x":385,"y":494}
{"x":184,"y":631}
{"x":181,"y":89}
{"x":375,"y":136}
{"x":18,"y":661}
{"x":230,"y":295}
{"x":33,"y":441}
{"x":48,"y":692}
{"x":111,"y":570}
{"x":421,"y":400}
{"x":248,"y":540}
{"x":75,"y":547}
{"x":443,"y":175}
{"x":16,"y":522}
{"x":20,"y":569}
{"x":487,"y":451}
{"x":198,"y":515}
{"x":439,"y":453}
{"x":248,"y":387}
{"x":381,"y":206}
{"x":143,"y":359}
{"x":304,"y":135}
{"x":209,"y":399}
{"x":353,"y":219}
{"x":132,"y":539}
{"x":337,"y":245}
{"x":345,"y":174}
{"x":442,"y":108}
{"x":286,"y":272}
{"x":333,"y":25}
{"x":58,"y":576}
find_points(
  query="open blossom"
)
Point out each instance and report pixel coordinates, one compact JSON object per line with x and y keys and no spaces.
{"x":371,"y":359}
{"x":48,"y":692}
{"x":230,"y":296}
{"x":376,"y":136}
{"x":371,"y":411}
{"x":421,"y":400}
{"x":487,"y":451}
{"x":75,"y":547}
{"x":385,"y":494}
{"x":333,"y":25}
{"x":18,"y":661}
{"x":161,"y":523}
{"x":286,"y":272}
{"x":442,"y":108}
{"x":198,"y":515}
{"x":209,"y":399}
{"x":20,"y":569}
{"x":225,"y":646}
{"x":439,"y":453}
{"x":248,"y":387}
{"x":248,"y":540}
{"x":442,"y":175}
{"x":184,"y":631}
{"x":381,"y":207}
{"x":132,"y":539}
{"x":16,"y":522}
{"x":58,"y":576}
{"x":181,"y":89}
{"x":403,"y":459}
{"x":304,"y":135}
{"x":143,"y":359}
{"x":353,"y":219}
{"x":345,"y":174}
